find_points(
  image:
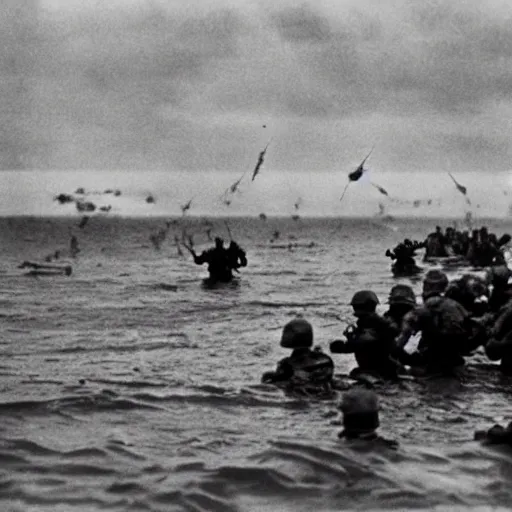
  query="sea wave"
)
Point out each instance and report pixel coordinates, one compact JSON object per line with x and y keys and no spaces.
{"x":120,"y":392}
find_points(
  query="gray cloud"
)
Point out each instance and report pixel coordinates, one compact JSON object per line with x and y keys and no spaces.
{"x":172,"y":87}
{"x":301,"y":24}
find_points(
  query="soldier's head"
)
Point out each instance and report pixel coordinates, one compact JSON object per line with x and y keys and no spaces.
{"x":360,"y":409}
{"x":219,"y":243}
{"x":364,"y":302}
{"x":402,"y":297}
{"x":298,"y":333}
{"x":434,"y":284}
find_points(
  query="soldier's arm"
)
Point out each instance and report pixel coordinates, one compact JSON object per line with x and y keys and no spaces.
{"x":503,"y":323}
{"x":243,"y":259}
{"x":410,"y":325}
{"x":202,"y":258}
{"x":388,"y":327}
{"x":341,"y":347}
{"x":284,"y":371}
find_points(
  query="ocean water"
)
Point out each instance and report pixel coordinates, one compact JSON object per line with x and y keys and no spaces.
{"x":129,"y":386}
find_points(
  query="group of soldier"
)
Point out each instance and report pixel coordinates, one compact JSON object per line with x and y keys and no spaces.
{"x":480,"y":248}
{"x":454,"y":319}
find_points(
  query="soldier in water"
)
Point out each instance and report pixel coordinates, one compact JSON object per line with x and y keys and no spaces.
{"x":217,"y":260}
{"x":360,"y":410}
{"x":444,"y":327}
{"x":221,"y":261}
{"x":305,"y":371}
{"x":371,"y":340}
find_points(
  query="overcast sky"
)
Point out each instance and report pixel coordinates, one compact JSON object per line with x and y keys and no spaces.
{"x":203,"y":85}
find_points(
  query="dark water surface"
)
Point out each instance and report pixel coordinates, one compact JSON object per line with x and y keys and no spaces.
{"x":128,"y":386}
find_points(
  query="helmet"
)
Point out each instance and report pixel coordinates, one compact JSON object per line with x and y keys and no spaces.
{"x":402,"y":294}
{"x":475,"y":285}
{"x":297,"y":333}
{"x":360,"y":408}
{"x":435,"y":282}
{"x":364,"y":297}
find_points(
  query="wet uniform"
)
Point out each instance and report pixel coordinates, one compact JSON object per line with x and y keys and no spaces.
{"x":305,"y":371}
{"x":443,"y":325}
{"x":371,"y":342}
{"x":218,"y":263}
{"x":499,"y":276}
{"x":499,"y":345}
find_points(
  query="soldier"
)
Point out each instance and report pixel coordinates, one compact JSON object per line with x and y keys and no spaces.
{"x":370,"y":340}
{"x":401,"y":300}
{"x":360,"y":409}
{"x":218,"y":261}
{"x":305,"y":371}
{"x":444,"y":326}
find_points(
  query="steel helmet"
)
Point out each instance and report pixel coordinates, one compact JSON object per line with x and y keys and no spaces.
{"x":402,"y":294}
{"x":297,"y":333}
{"x":360,"y":408}
{"x":435,"y":282}
{"x":363,"y":298}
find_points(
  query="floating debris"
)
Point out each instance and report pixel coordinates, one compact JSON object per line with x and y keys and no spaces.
{"x":157,"y":238}
{"x":42,"y":269}
{"x":84,"y":221}
{"x":64,"y":198}
{"x":177,"y":242}
{"x":85,"y":206}
{"x":275,"y":235}
{"x":73,"y":246}
{"x":54,"y":256}
{"x":382,"y":190}
{"x":150,"y":199}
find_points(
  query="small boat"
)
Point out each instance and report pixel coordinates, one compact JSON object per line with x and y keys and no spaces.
{"x":43,"y":269}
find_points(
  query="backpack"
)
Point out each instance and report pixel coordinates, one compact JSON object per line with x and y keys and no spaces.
{"x":449,"y":318}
